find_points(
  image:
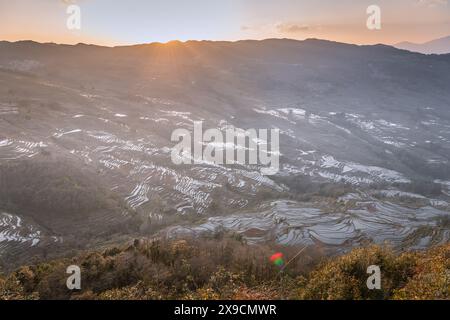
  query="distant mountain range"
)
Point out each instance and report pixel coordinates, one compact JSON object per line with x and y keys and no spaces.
{"x":438,"y":46}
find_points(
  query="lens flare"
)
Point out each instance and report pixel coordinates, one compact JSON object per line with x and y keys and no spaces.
{"x":277,"y":259}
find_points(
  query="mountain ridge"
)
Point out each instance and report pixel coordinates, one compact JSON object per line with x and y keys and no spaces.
{"x":437,"y":46}
{"x":186,"y":42}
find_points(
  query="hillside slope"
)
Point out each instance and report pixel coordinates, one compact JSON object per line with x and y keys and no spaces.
{"x":364,"y":144}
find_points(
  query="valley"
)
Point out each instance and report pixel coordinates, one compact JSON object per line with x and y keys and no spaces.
{"x":85,"y":145}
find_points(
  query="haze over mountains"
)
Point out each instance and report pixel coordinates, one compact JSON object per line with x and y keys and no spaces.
{"x":438,"y":46}
{"x":85,"y":144}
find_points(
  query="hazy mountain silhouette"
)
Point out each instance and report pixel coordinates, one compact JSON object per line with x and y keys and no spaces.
{"x":438,"y":46}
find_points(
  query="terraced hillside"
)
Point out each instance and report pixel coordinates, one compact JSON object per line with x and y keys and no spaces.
{"x":85,"y":144}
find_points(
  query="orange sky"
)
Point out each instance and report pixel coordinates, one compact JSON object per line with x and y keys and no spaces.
{"x":109,"y":22}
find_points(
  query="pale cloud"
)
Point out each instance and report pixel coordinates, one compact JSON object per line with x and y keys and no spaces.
{"x":432,"y":3}
{"x":291,"y":28}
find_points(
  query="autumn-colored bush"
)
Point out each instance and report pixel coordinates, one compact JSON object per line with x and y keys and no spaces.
{"x":411,"y":275}
{"x":431,"y":279}
{"x":227,"y":268}
{"x":345,"y":276}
